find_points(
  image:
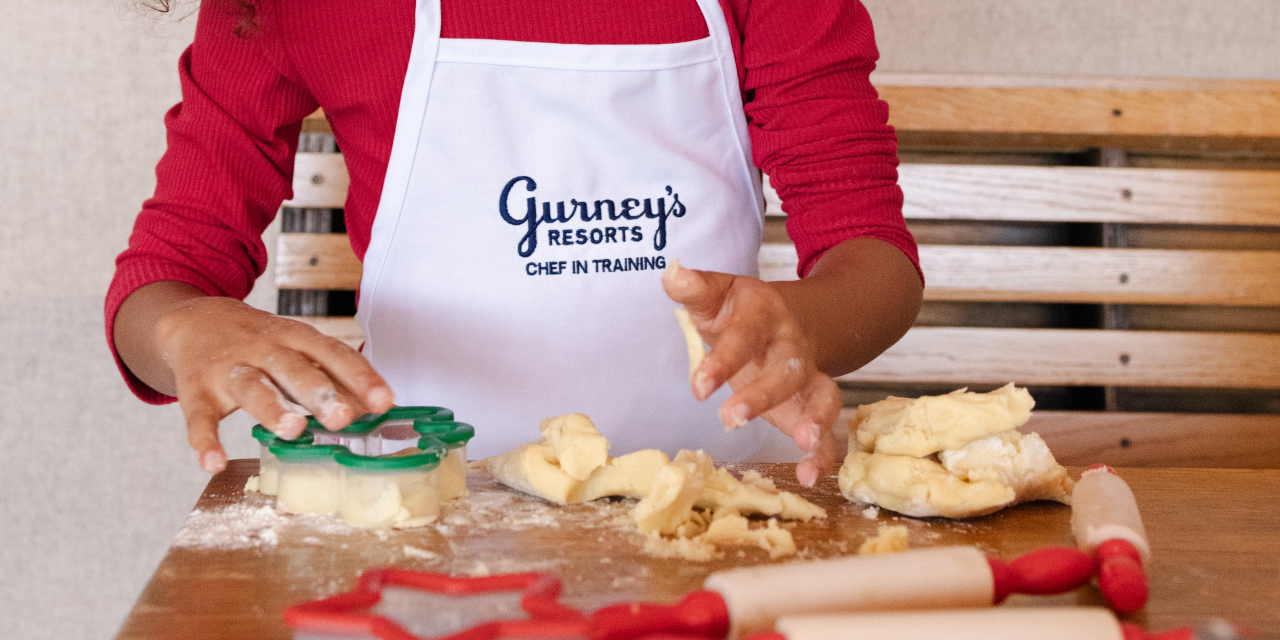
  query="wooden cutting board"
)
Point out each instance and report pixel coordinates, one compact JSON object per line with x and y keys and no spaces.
{"x":236,"y":565}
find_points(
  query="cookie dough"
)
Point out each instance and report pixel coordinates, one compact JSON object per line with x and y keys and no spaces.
{"x":676,"y":488}
{"x":685,"y":497}
{"x":889,"y":539}
{"x":556,"y":466}
{"x":383,"y":500}
{"x":923,"y":426}
{"x":957,"y":455}
{"x":917,"y":487}
{"x":733,"y":529}
{"x":693,"y":340}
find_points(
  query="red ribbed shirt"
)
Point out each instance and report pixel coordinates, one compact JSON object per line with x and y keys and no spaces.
{"x":816,"y":126}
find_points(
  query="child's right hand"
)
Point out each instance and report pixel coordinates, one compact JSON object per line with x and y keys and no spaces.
{"x":217,"y":355}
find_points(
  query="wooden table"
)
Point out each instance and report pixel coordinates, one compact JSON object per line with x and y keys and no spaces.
{"x":1215,"y":535}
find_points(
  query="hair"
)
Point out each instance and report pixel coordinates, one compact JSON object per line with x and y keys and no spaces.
{"x":246,"y":11}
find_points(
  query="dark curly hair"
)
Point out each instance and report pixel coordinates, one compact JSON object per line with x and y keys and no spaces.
{"x":246,"y":11}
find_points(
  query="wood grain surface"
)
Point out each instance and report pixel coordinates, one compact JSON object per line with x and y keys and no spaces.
{"x":317,"y":261}
{"x":1090,"y":194}
{"x":1124,"y":439}
{"x":1080,"y":274}
{"x":1215,"y":536}
{"x":1098,"y":105}
{"x":969,"y":355}
{"x":319,"y":180}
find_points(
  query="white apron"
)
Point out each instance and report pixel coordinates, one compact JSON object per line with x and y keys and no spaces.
{"x":535,"y":193}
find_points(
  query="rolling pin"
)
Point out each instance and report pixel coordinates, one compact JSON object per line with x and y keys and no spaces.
{"x":1058,"y":623}
{"x":740,"y":602}
{"x":1107,"y":526}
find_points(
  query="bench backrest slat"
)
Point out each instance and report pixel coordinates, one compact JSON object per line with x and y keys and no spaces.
{"x":1082,"y":105}
{"x":1086,"y":357}
{"x":1090,"y":194}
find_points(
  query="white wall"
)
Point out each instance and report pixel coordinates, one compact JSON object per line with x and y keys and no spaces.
{"x":95,"y":483}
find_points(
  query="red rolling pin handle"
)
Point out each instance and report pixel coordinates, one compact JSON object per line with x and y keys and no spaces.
{"x":1121,"y":579}
{"x":1041,"y":573}
{"x":701,"y":613}
{"x":1134,"y":632}
{"x":1121,"y":576}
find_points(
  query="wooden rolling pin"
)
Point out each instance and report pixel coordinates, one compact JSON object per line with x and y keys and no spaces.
{"x":743,"y":601}
{"x":1004,"y":623}
{"x":1107,"y":526}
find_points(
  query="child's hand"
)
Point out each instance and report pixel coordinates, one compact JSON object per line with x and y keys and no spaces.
{"x":226,"y":355}
{"x":759,"y":348}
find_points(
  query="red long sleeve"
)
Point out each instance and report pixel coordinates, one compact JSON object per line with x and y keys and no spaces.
{"x":816,"y":126}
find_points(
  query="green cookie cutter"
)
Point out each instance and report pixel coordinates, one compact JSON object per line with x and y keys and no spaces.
{"x":365,"y":424}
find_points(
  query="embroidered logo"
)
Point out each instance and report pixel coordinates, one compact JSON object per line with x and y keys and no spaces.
{"x":606,"y":220}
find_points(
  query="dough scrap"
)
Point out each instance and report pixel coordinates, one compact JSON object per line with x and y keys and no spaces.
{"x":628,"y":476}
{"x":692,"y":339}
{"x":575,"y":443}
{"x":554,"y":468}
{"x":733,"y":529}
{"x":957,"y":455}
{"x":534,"y":469}
{"x":755,"y":494}
{"x":889,"y":539}
{"x":685,"y":497}
{"x":692,"y":549}
{"x":677,"y":486}
{"x":930,"y":424}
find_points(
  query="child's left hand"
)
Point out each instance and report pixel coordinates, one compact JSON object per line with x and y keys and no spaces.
{"x":760,"y":349}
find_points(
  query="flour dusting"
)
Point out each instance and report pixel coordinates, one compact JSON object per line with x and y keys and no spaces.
{"x":249,"y":525}
{"x":238,"y":526}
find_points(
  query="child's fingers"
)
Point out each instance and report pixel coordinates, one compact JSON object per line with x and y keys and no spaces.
{"x":310,"y":386}
{"x":345,"y":365}
{"x":808,"y":417}
{"x":254,"y":391}
{"x":701,"y":292}
{"x":202,"y":434}
{"x":775,"y":383}
{"x":821,"y":409}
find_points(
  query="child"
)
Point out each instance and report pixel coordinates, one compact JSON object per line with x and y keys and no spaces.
{"x":533,"y":166}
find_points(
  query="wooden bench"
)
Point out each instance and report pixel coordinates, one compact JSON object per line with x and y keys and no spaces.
{"x":1113,"y":244}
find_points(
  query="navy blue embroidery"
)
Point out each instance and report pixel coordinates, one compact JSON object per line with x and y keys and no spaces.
{"x":606,"y":235}
{"x":677,"y":210}
{"x":632,"y":209}
{"x":530,"y":240}
{"x":603,"y":265}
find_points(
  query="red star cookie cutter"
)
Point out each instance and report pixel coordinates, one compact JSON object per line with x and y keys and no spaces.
{"x":517,"y":605}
